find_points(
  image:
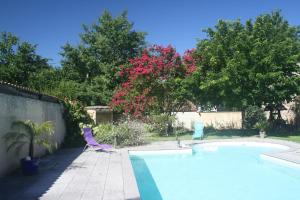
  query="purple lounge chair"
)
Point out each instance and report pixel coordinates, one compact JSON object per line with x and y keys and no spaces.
{"x":91,"y":142}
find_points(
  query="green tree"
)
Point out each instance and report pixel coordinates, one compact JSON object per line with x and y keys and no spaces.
{"x":276,"y":55}
{"x":69,"y":89}
{"x":104,"y":46}
{"x":248,"y":64}
{"x":92,"y":92}
{"x":46,"y":81}
{"x":19,"y":62}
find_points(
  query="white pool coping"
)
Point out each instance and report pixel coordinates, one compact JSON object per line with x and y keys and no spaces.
{"x":213,"y":146}
{"x":280,"y":161}
{"x":244,"y":143}
{"x":161,"y":152}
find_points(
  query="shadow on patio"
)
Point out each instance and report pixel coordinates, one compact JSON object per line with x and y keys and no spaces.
{"x":17,"y":186}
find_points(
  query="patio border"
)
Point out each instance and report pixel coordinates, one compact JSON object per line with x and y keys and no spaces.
{"x":131,"y":191}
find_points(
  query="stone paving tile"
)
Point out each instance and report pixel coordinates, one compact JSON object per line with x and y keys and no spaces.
{"x":85,"y":178}
{"x":81,"y":168}
{"x":96,"y":183}
{"x":114,"y":183}
{"x":65,"y":179}
{"x":18,"y":187}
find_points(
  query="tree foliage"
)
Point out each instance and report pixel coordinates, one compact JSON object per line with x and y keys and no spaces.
{"x":104,"y":46}
{"x":248,"y":64}
{"x":74,"y":114}
{"x":253,"y":116}
{"x":19,"y":62}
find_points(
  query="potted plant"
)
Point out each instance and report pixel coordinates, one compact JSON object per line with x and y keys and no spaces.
{"x":262,"y":126}
{"x":29,"y":133}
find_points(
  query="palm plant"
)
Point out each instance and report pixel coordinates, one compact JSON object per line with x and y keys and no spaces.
{"x":262,"y":125}
{"x":29,"y":132}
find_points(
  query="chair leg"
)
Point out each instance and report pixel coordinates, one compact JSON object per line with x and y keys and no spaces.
{"x":85,"y":147}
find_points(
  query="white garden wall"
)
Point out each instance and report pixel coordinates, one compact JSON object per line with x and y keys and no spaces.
{"x":215,"y":119}
{"x":221,"y":120}
{"x":13,"y":107}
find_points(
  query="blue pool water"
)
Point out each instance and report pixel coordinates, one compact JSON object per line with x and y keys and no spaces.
{"x":215,"y":173}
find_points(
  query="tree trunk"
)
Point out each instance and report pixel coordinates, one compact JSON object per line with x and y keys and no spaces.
{"x":279,"y":115}
{"x":271,"y":116}
{"x":31,"y":147}
{"x":243,"y":118}
{"x":169,"y":126}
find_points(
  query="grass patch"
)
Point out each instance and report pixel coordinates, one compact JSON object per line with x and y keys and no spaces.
{"x":155,"y":137}
{"x":292,"y":138}
{"x":223,"y":134}
{"x":228,"y":133}
{"x":289,"y":136}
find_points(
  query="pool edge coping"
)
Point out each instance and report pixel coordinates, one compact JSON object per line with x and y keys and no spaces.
{"x":275,"y":157}
{"x":280,"y":161}
{"x":131,"y":191}
{"x":130,"y":187}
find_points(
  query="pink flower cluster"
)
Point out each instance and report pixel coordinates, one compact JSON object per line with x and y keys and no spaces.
{"x":156,"y":63}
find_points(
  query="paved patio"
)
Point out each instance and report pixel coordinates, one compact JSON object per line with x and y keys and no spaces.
{"x":73,"y":174}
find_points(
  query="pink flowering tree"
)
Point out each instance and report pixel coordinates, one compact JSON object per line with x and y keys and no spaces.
{"x":154,"y":82}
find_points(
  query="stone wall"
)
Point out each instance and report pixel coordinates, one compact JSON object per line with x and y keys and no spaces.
{"x":222,"y":120}
{"x":216,"y":119}
{"x":17,"y":107}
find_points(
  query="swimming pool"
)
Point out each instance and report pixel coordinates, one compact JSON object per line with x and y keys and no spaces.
{"x":220,"y":171}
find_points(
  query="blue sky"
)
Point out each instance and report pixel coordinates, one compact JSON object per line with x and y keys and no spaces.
{"x":52,"y":23}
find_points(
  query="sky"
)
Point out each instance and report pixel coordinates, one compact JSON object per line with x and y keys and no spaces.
{"x":50,"y":24}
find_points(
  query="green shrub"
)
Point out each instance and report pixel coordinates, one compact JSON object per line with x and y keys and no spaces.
{"x":253,"y":115}
{"x":280,"y":127}
{"x":208,"y":129}
{"x":149,"y":128}
{"x":126,"y":133}
{"x":129,"y":133}
{"x":104,"y":133}
{"x":161,"y":124}
{"x":74,"y":114}
{"x":182,"y":131}
{"x":262,"y":125}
